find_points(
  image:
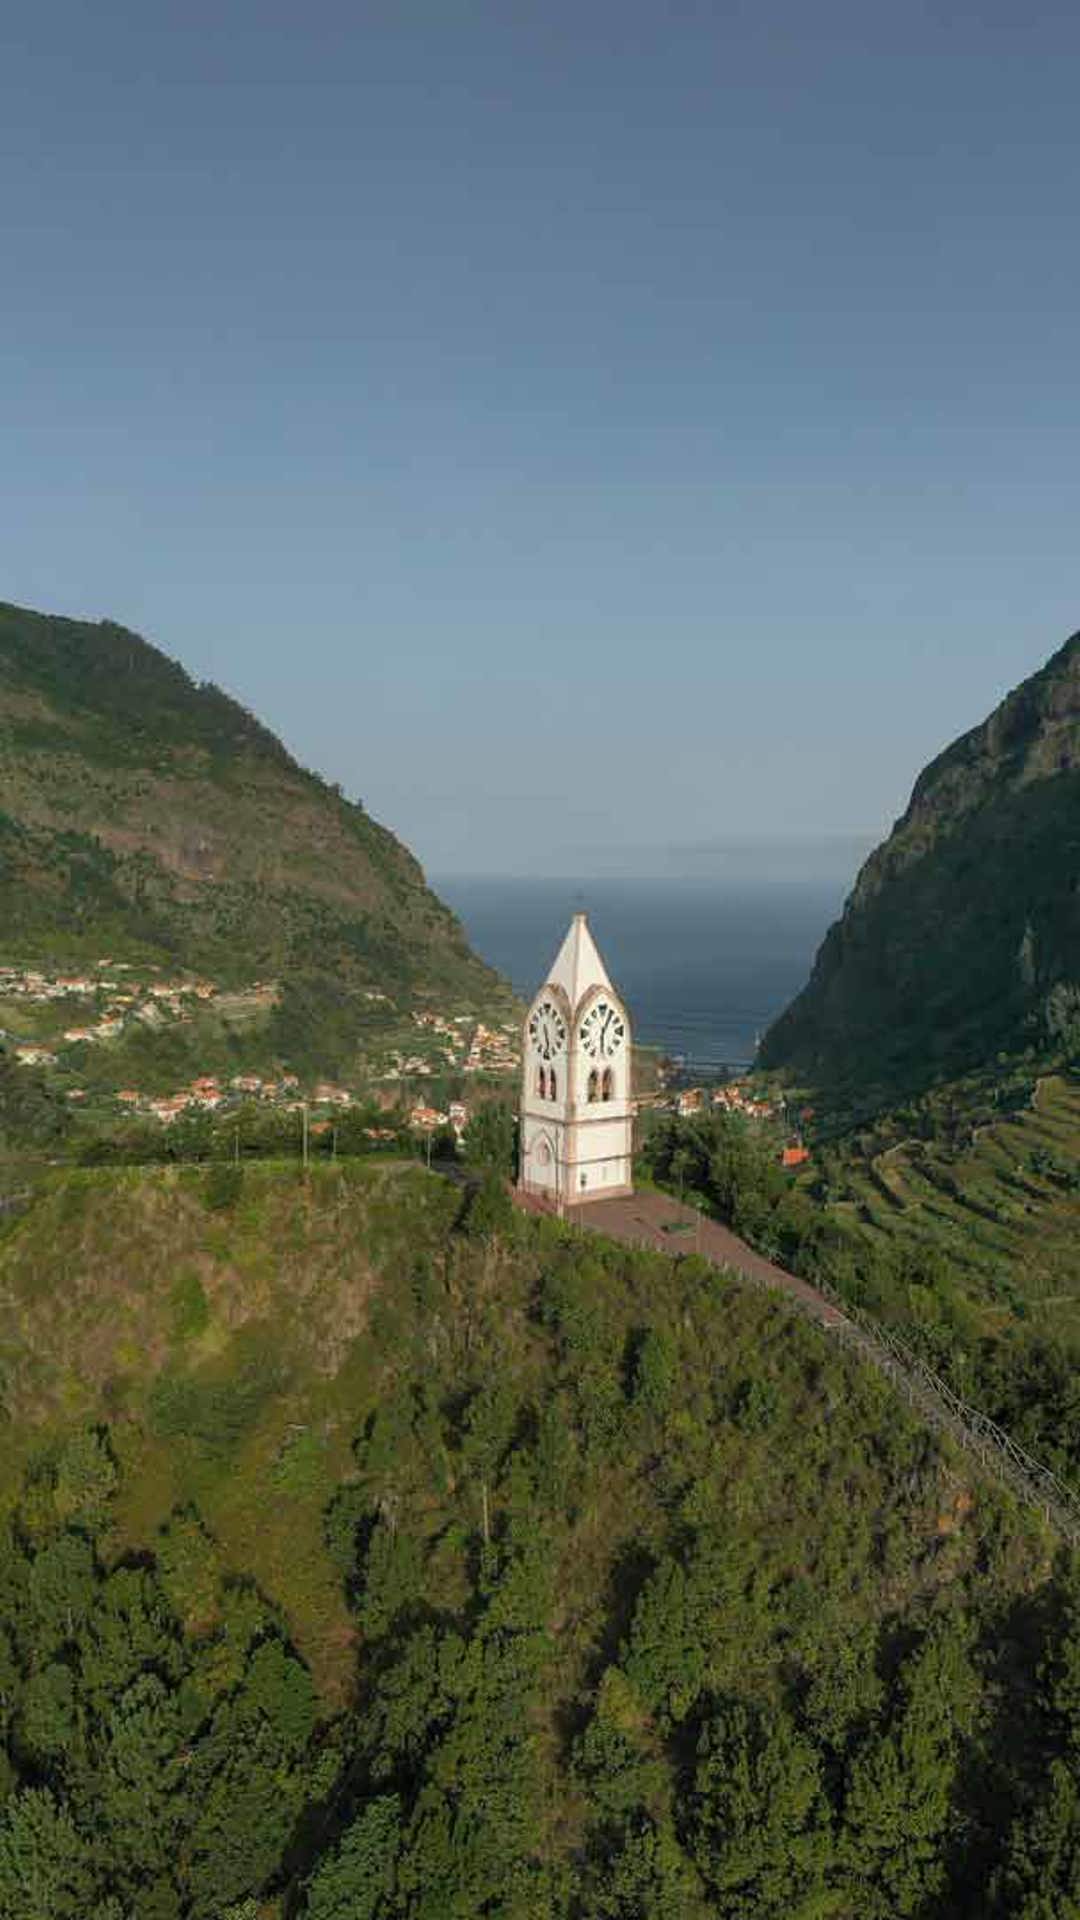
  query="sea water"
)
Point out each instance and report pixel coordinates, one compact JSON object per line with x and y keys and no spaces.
{"x":703,"y":965}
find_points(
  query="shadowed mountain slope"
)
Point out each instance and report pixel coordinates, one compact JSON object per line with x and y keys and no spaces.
{"x":961,"y":938}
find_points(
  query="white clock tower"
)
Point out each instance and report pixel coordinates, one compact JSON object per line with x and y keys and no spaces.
{"x":576,"y":1111}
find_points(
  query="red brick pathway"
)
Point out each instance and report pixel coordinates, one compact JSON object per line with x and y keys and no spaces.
{"x":646,"y":1219}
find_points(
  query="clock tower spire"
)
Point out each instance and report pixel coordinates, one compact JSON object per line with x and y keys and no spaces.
{"x":576,"y":1107}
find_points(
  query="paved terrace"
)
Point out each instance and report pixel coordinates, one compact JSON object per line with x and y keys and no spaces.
{"x":656,"y":1221}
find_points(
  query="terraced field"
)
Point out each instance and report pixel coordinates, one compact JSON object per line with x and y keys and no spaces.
{"x":1004,"y":1208}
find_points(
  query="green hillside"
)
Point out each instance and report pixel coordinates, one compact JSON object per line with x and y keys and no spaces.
{"x":961,"y":939}
{"x":153,"y":821}
{"x":999,"y":1199}
{"x":362,"y":1558}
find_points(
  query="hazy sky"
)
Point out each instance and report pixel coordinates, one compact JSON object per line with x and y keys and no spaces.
{"x":571,"y":426}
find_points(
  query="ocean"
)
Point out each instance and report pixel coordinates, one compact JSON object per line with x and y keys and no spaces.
{"x":704,"y":966}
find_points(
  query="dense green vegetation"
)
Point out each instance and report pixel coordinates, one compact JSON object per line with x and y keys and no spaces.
{"x":144,"y":816}
{"x":30,"y":1115}
{"x":960,"y":940}
{"x":367,"y":1553}
{"x":964,"y":1241}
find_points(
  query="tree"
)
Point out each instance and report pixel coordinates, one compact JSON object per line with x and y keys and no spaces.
{"x":45,"y":1863}
{"x":897,"y":1805}
{"x":62,"y":1584}
{"x":490,"y":1211}
{"x":489,"y":1142}
{"x":247,"y":1803}
{"x":1059,"y":1673}
{"x":654,"y":1371}
{"x":30,"y":1113}
{"x":760,"y":1824}
{"x":136,"y":1794}
{"x":475,"y":1839}
{"x":9,"y":1680}
{"x":1041,"y":1879}
{"x":279,"y":1689}
{"x":128,"y":1631}
{"x":356,"y":1881}
{"x":85,"y":1481}
{"x":249,"y":1781}
{"x":667,"y":1659}
{"x":644,"y":1875}
{"x":47,"y":1714}
{"x":618,"y":1755}
{"x":14,"y":1589}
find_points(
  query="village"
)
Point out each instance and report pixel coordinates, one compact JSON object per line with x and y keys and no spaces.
{"x":736,"y":1096}
{"x":117,"y":998}
{"x":49,"y":1020}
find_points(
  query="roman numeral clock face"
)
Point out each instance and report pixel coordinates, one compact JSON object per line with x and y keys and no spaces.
{"x":547,"y":1030}
{"x":603,"y":1031}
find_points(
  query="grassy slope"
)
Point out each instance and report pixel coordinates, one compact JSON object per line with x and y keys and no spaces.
{"x":118,"y":1279}
{"x":238,"y":1354}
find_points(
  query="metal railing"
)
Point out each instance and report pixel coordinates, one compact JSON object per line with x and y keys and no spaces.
{"x":995,"y":1449}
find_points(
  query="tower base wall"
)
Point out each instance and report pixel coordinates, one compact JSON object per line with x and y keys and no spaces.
{"x":567,"y":1202}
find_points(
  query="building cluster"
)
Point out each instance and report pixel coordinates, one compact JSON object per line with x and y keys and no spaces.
{"x":106,"y":998}
{"x":29,"y":1056}
{"x":117,"y":996}
{"x":456,"y":1043}
{"x":493,"y":1050}
{"x":424,"y":1119}
{"x":733,"y":1097}
{"x":207,"y":1094}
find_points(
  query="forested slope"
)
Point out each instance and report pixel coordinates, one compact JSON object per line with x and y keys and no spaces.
{"x":368,"y":1554}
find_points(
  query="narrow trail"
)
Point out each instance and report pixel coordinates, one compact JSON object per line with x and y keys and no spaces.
{"x":661,"y":1224}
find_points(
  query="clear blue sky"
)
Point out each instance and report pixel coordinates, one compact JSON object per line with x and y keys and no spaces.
{"x":573,"y":427}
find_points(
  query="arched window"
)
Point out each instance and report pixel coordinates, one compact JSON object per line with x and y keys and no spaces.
{"x":594,"y":1079}
{"x":553,"y":1090}
{"x":541,"y":1083}
{"x":608,"y":1092}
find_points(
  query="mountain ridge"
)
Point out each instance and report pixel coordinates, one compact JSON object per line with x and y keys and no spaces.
{"x":961,"y":937}
{"x":145,"y":815}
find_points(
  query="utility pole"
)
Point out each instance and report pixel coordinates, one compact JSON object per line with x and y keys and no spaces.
{"x":304,"y":1132}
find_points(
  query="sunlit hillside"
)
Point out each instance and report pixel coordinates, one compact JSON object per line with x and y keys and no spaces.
{"x":379,"y":1545}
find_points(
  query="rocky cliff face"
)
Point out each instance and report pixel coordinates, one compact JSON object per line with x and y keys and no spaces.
{"x":961,"y":938}
{"x":141,"y":813}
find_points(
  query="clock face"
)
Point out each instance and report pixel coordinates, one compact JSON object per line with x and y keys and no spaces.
{"x":547,"y":1030}
{"x":603,"y":1031}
